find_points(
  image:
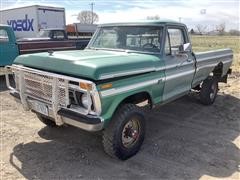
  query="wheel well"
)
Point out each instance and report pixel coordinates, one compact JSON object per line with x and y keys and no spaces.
{"x":142,"y":97}
{"x":218,"y":70}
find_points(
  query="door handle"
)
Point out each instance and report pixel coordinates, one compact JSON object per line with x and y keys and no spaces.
{"x":188,"y":60}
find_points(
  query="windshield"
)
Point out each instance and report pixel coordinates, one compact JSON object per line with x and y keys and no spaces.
{"x":136,"y":38}
{"x":44,"y":34}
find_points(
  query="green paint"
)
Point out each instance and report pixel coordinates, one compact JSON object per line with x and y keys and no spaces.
{"x":8,"y":47}
{"x":90,"y":64}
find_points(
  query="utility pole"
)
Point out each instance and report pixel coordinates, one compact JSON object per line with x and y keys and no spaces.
{"x":180,"y":19}
{"x":92,"y":4}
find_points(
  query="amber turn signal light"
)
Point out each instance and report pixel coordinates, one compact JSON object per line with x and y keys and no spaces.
{"x":106,"y":86}
{"x":85,"y":86}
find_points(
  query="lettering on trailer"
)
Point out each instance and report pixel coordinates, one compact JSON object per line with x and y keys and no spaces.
{"x":21,"y":24}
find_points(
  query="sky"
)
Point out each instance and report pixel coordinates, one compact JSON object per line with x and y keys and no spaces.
{"x":191,"y":12}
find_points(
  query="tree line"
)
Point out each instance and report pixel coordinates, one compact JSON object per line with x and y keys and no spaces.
{"x":219,"y":29}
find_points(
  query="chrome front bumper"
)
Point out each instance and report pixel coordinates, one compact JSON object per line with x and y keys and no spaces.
{"x":56,"y":98}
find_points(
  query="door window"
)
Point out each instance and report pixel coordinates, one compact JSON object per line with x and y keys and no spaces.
{"x":174,"y":40}
{"x":58,"y":35}
{"x":3,"y":36}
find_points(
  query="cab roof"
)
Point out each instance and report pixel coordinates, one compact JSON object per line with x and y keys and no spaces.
{"x":145,"y":22}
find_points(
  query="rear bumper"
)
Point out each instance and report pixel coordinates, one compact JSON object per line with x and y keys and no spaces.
{"x":85,"y":122}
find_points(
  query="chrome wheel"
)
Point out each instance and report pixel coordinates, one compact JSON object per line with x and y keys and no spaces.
{"x":130,"y":133}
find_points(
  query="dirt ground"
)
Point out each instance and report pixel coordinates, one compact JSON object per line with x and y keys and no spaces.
{"x":184,"y":140}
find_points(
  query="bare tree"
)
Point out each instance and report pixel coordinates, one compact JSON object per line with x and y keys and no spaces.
{"x":221,"y":28}
{"x":156,"y":17}
{"x":201,"y":28}
{"x":87,"y":17}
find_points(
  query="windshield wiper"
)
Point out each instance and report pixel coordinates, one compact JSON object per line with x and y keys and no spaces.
{"x":109,"y":49}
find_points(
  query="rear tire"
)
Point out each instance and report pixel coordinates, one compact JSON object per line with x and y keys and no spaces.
{"x":46,"y":121}
{"x":125,"y":134}
{"x":209,"y":90}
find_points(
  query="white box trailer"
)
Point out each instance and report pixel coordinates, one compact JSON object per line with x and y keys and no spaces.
{"x":27,"y":21}
{"x":86,"y":28}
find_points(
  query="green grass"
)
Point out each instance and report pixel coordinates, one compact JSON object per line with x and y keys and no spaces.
{"x":205,"y":43}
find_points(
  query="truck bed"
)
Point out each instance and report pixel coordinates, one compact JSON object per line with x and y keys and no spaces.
{"x":207,"y":61}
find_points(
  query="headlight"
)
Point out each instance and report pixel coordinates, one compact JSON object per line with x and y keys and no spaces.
{"x":84,"y":100}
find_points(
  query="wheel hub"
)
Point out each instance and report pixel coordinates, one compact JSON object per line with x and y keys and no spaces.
{"x":130,"y":133}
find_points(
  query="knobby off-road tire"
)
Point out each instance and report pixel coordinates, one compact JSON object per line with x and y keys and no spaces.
{"x":209,"y":90}
{"x":46,"y":121}
{"x":125,"y":133}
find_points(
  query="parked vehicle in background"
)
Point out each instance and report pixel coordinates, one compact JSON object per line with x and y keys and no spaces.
{"x":54,"y":39}
{"x":78,"y":29}
{"x":125,"y":64}
{"x":28,"y":21}
{"x":49,"y":40}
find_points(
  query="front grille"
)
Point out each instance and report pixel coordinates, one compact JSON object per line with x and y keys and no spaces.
{"x":41,"y":87}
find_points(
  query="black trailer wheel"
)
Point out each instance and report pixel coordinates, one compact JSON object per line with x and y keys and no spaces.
{"x":46,"y":121}
{"x":125,"y":133}
{"x":209,"y":90}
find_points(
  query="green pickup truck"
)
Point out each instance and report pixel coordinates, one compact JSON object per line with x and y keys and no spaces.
{"x":104,"y":87}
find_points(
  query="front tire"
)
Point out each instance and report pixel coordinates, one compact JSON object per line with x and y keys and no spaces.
{"x":209,"y":90}
{"x":125,"y":134}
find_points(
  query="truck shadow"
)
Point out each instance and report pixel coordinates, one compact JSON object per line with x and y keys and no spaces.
{"x":184,"y":140}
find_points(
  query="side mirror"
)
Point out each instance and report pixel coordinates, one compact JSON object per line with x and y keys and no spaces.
{"x":185,"y":47}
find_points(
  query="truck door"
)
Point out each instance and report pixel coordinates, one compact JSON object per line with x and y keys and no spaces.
{"x":8,"y":46}
{"x":180,"y":66}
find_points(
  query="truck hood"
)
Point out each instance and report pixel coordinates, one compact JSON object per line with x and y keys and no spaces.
{"x":90,"y":64}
